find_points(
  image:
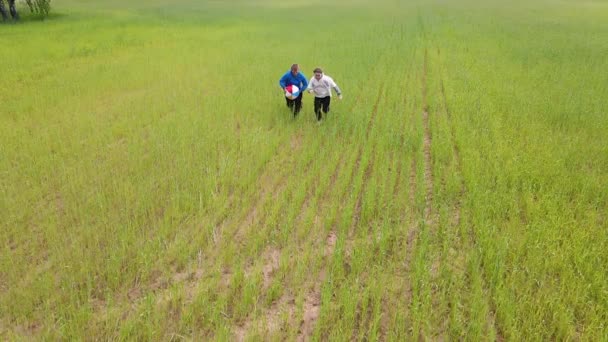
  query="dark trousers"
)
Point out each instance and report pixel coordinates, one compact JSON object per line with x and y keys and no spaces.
{"x":295,"y":105}
{"x":322,"y":104}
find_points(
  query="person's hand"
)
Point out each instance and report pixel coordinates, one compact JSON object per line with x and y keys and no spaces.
{"x":310,"y":91}
{"x":340,"y":97}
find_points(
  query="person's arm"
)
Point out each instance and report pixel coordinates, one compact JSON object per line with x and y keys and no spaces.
{"x":304,"y":82}
{"x":310,"y":89}
{"x":282,"y":82}
{"x":336,"y":89}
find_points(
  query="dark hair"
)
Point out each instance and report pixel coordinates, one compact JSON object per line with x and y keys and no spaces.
{"x":318,"y":70}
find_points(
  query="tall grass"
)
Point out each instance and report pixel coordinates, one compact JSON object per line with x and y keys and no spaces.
{"x":154,"y":185}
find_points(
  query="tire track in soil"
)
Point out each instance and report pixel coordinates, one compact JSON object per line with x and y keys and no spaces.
{"x":351,"y":239}
{"x":266,"y":196}
{"x":384,"y":318}
{"x":330,"y":187}
{"x":332,"y":182}
{"x":193,"y":274}
{"x":312,"y":303}
{"x":239,"y":236}
{"x":191,"y":277}
{"x":432,"y":221}
{"x":309,"y":195}
{"x":271,"y":314}
{"x":368,"y":169}
{"x":271,"y":187}
{"x":250,"y":219}
{"x":265,"y":179}
{"x":270,"y":184}
{"x":313,"y":300}
{"x":287,"y":301}
{"x":413,"y":231}
{"x":427,"y":218}
{"x":385,"y":305}
{"x":367,"y":174}
{"x":491,"y":320}
{"x":428,"y":166}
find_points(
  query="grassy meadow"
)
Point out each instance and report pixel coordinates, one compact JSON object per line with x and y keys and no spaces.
{"x":153,"y":185}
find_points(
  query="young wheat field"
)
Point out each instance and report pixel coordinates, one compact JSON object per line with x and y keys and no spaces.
{"x":155,"y":187}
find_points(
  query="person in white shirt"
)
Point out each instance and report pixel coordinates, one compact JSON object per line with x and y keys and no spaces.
{"x":321,"y":86}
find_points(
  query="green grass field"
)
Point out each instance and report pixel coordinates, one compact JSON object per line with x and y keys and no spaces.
{"x":153,"y":185}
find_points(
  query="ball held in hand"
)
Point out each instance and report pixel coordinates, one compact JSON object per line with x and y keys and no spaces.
{"x":292,"y":92}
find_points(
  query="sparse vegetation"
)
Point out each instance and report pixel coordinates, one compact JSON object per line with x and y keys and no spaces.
{"x":39,"y":7}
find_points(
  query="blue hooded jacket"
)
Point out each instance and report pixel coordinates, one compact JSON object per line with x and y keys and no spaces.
{"x":289,"y":79}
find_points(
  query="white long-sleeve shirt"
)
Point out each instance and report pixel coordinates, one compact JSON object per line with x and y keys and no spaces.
{"x":322,"y":87}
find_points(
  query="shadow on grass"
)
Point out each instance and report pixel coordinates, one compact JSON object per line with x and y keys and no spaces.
{"x":28,"y":17}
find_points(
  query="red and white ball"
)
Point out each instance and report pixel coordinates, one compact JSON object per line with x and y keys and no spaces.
{"x":292,"y":92}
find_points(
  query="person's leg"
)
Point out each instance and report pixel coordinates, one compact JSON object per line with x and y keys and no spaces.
{"x":318,"y":105}
{"x":289,"y":104}
{"x":13,"y":9}
{"x":3,"y":10}
{"x":298,"y":104}
{"x":326,"y":102}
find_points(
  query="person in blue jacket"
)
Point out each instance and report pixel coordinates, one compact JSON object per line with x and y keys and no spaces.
{"x":294,"y":77}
